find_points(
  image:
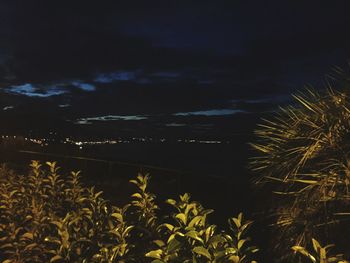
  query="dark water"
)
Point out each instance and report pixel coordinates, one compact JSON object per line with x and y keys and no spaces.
{"x":213,"y":173}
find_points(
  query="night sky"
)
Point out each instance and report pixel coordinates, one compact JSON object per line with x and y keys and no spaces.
{"x":161,"y":65}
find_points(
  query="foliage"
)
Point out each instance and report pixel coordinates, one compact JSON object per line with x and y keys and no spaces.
{"x":187,"y":237}
{"x":45,"y":217}
{"x":304,"y":155}
{"x":320,"y":254}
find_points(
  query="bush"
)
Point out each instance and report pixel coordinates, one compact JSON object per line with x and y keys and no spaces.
{"x":45,"y":217}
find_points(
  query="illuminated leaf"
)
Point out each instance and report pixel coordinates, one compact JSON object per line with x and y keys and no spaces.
{"x":182,"y":217}
{"x":155,"y":254}
{"x":194,"y":235}
{"x":202,"y":251}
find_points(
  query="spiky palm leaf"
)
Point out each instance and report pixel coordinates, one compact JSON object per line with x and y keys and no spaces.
{"x":304,"y":150}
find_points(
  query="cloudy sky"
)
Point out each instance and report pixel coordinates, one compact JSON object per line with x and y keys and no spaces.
{"x":88,"y":62}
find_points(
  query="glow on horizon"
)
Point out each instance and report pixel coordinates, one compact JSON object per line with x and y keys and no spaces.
{"x":214,"y":112}
{"x":88,"y":120}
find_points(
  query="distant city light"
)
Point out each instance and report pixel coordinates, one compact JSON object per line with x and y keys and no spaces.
{"x":81,"y":143}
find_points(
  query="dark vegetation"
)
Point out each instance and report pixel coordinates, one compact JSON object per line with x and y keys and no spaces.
{"x":49,"y":218}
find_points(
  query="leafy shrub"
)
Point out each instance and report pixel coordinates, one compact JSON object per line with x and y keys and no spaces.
{"x":187,"y":237}
{"x":45,"y":217}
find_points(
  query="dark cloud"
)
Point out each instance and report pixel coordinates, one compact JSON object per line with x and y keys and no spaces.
{"x":84,"y":59}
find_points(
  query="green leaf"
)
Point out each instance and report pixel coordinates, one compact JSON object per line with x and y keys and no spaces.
{"x":118,"y":216}
{"x":155,"y":254}
{"x":174,"y":245}
{"x":234,"y":259}
{"x":246,"y":225}
{"x":171,"y":237}
{"x":185,"y":197}
{"x":171,"y":202}
{"x":237,"y":222}
{"x":304,"y":252}
{"x":215,"y":240}
{"x":316,"y":245}
{"x":241,"y":243}
{"x":127,"y":230}
{"x":159,"y":243}
{"x":219,"y":255}
{"x":182,"y":217}
{"x":98,"y":194}
{"x":230,"y":251}
{"x":209,"y":232}
{"x":169,"y":226}
{"x":195,"y":221}
{"x":202,"y":251}
{"x":133,"y":182}
{"x":194,"y":235}
{"x":207,"y":211}
{"x":137,"y":195}
{"x":240,"y":216}
{"x":323,"y":254}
